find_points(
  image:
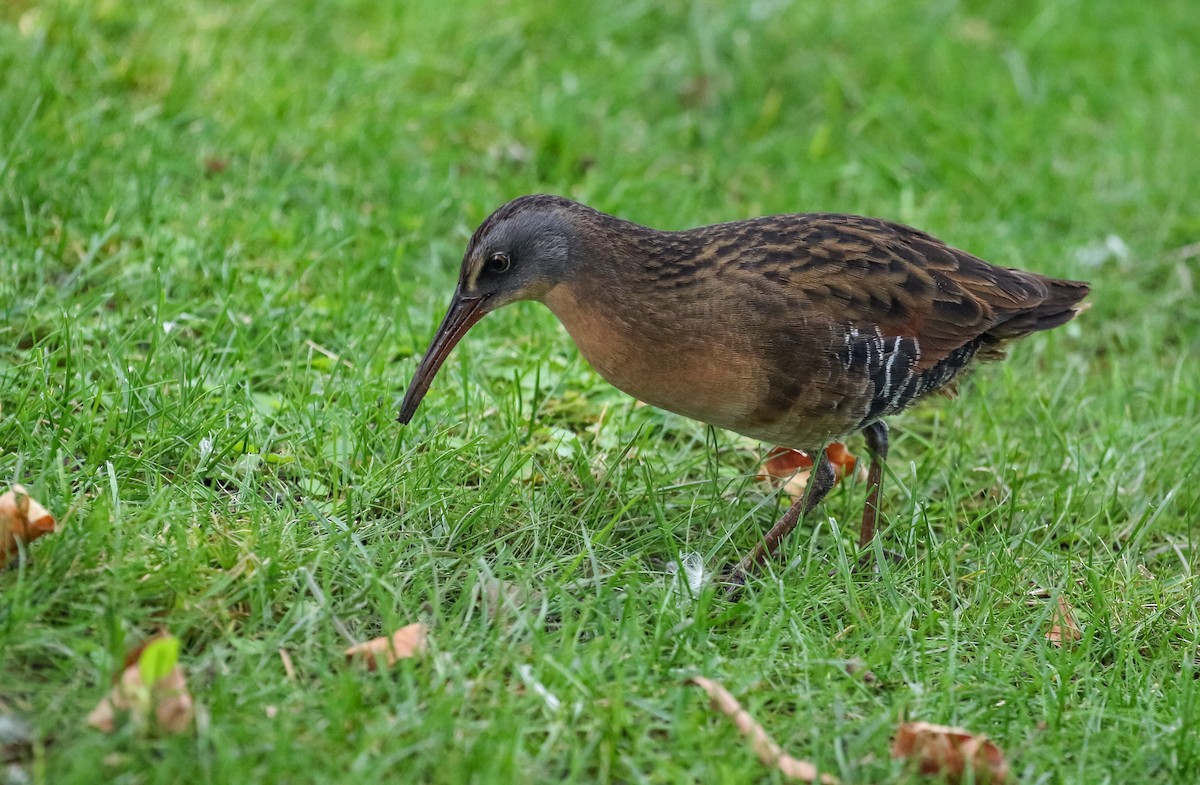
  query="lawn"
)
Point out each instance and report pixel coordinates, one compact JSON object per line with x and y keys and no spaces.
{"x":227,"y":231}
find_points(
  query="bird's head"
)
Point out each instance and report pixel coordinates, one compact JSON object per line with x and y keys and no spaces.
{"x":520,"y":252}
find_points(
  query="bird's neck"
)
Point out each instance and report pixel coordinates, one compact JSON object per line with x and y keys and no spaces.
{"x":613,"y":257}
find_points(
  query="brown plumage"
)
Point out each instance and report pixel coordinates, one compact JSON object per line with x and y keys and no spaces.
{"x":794,"y":329}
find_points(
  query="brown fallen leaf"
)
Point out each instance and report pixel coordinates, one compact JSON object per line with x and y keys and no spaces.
{"x":844,"y":462}
{"x":22,"y":520}
{"x":1063,"y":627}
{"x":946,"y":751}
{"x":499,"y":598}
{"x":289,"y":669}
{"x":403,"y":643}
{"x":794,"y":467}
{"x":152,"y":691}
{"x":767,"y":750}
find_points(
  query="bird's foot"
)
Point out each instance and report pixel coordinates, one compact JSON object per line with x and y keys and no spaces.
{"x":733,"y":580}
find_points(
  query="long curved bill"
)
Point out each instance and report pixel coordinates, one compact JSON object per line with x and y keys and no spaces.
{"x":463,"y":314}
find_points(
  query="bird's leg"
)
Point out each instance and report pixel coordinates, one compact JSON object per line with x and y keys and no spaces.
{"x":819,"y":483}
{"x":877,"y":444}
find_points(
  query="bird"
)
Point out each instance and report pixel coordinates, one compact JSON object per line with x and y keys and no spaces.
{"x":797,"y":329}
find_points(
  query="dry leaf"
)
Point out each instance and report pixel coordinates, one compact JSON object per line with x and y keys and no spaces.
{"x":845,"y":463}
{"x":403,"y":643}
{"x":21,"y":520}
{"x":770,"y":753}
{"x":794,"y":467}
{"x":938,"y":749}
{"x":1063,"y":627}
{"x":782,"y":462}
{"x":499,"y":597}
{"x":163,"y":705}
{"x":289,"y":670}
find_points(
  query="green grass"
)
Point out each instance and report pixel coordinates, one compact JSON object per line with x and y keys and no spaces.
{"x":227,"y":230}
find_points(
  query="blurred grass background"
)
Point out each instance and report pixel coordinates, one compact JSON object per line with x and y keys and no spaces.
{"x":227,"y":229}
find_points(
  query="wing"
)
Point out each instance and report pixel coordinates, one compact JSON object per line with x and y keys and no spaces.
{"x":909,"y":312}
{"x":875,"y":275}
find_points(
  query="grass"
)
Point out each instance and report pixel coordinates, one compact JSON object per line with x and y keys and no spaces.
{"x":227,"y":229}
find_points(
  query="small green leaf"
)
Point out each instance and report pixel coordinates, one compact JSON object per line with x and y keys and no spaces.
{"x":157,"y":660}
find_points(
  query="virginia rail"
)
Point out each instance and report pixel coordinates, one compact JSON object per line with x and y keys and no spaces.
{"x":793,"y":329}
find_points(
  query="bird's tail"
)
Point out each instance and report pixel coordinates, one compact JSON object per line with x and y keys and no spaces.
{"x":1060,"y":304}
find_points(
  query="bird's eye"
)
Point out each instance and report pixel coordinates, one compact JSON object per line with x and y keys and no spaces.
{"x":498,"y":263}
